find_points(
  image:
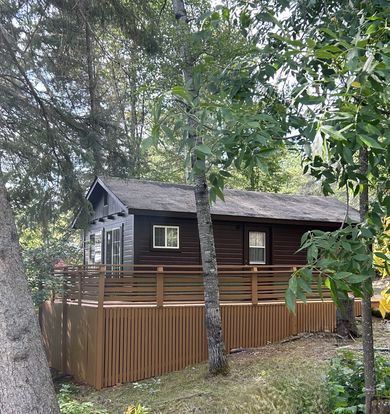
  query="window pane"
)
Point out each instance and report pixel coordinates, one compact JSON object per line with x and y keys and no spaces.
{"x":116,"y":236}
{"x":159,"y":236}
{"x":257,"y":255}
{"x":172,"y":237}
{"x":116,"y":247}
{"x":256,"y":239}
{"x":109,"y":247}
{"x":98,"y":247}
{"x":91,"y":249}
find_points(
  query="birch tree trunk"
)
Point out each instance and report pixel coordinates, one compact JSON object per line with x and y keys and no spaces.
{"x":367,"y":332}
{"x":25,"y":381}
{"x":216,"y":347}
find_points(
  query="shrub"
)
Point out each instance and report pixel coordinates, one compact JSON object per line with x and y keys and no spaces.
{"x":132,"y":409}
{"x":70,"y":405}
{"x":346,"y":382}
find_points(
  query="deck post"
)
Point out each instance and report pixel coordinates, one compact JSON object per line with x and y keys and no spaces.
{"x":81,"y":274}
{"x":160,"y":286}
{"x":293,"y":316}
{"x":64,"y":320}
{"x":100,"y":329}
{"x":255,"y":299}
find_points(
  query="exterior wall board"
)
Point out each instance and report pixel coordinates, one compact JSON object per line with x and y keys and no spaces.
{"x":230,"y":241}
{"x":114,"y":205}
{"x":123,"y":222}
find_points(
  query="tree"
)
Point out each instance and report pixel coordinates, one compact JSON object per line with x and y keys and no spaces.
{"x":345,"y":70}
{"x":47,"y":140}
{"x":216,"y":347}
{"x":341,"y":99}
{"x":224,"y":122}
{"x":25,"y":380}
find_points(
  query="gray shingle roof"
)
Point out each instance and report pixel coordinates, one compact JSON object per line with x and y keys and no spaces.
{"x":156,"y":196}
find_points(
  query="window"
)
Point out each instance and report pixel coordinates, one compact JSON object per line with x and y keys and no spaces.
{"x":166,"y":237}
{"x":113,"y":246}
{"x":257,"y":247}
{"x":94,"y":251}
{"x":105,"y":203}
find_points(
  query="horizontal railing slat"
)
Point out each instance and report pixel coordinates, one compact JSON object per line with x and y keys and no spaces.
{"x":157,"y":284}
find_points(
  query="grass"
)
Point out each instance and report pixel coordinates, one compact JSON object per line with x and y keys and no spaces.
{"x":275,"y":379}
{"x":288,"y":378}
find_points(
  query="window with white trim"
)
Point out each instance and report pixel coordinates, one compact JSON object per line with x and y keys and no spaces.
{"x":257,"y":240}
{"x":165,"y":237}
{"x":113,"y":246}
{"x":94,"y":248}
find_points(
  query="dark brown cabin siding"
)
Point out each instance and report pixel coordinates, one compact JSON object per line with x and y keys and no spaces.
{"x":286,"y":240}
{"x":188,"y":253}
{"x":283,"y":240}
{"x":229,"y":242}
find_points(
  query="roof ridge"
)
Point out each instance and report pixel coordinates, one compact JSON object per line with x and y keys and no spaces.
{"x":141,"y":180}
{"x":189,"y":186}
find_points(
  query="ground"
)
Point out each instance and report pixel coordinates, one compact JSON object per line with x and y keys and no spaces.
{"x":288,"y":377}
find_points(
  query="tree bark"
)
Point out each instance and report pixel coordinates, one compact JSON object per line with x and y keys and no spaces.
{"x":25,"y":381}
{"x":218,"y":363}
{"x":94,"y":109}
{"x":216,"y":346}
{"x":367,"y":332}
{"x":345,"y":319}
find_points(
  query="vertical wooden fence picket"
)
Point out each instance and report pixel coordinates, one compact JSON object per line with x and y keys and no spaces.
{"x":115,"y":325}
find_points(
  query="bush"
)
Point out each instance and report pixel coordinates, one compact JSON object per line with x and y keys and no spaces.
{"x":346,"y":382}
{"x":132,"y":409}
{"x":70,"y":405}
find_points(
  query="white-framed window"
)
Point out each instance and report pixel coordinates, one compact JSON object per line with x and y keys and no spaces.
{"x":113,"y":246}
{"x":257,"y":247}
{"x":94,"y":248}
{"x":165,"y":237}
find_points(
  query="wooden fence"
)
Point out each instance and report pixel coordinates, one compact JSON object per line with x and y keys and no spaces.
{"x":105,"y":332}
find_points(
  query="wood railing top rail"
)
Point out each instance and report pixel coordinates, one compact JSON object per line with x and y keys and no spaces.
{"x":159,"y":285}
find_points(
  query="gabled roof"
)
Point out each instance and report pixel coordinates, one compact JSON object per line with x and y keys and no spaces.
{"x":179,"y":198}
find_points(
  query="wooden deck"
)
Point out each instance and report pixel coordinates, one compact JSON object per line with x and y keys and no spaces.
{"x":114,"y":325}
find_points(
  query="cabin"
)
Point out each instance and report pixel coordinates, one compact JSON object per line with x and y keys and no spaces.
{"x":146,"y":222}
{"x":135,"y":308}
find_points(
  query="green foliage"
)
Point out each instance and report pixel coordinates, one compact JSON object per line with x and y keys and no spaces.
{"x":340,"y":261}
{"x":340,"y":104}
{"x":226,"y":103}
{"x":70,"y":405}
{"x":40,"y":252}
{"x":138,"y":409}
{"x":346,"y":382}
{"x":349,"y":66}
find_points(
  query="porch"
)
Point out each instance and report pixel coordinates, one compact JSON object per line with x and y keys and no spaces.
{"x":114,"y":324}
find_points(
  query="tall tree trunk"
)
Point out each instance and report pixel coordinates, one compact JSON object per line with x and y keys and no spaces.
{"x":134,"y":136}
{"x":216,"y":347}
{"x":25,"y":382}
{"x":367,"y":332}
{"x":345,"y":319}
{"x":94,"y":105}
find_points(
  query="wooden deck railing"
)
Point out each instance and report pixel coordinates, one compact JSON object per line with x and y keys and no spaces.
{"x":172,"y":284}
